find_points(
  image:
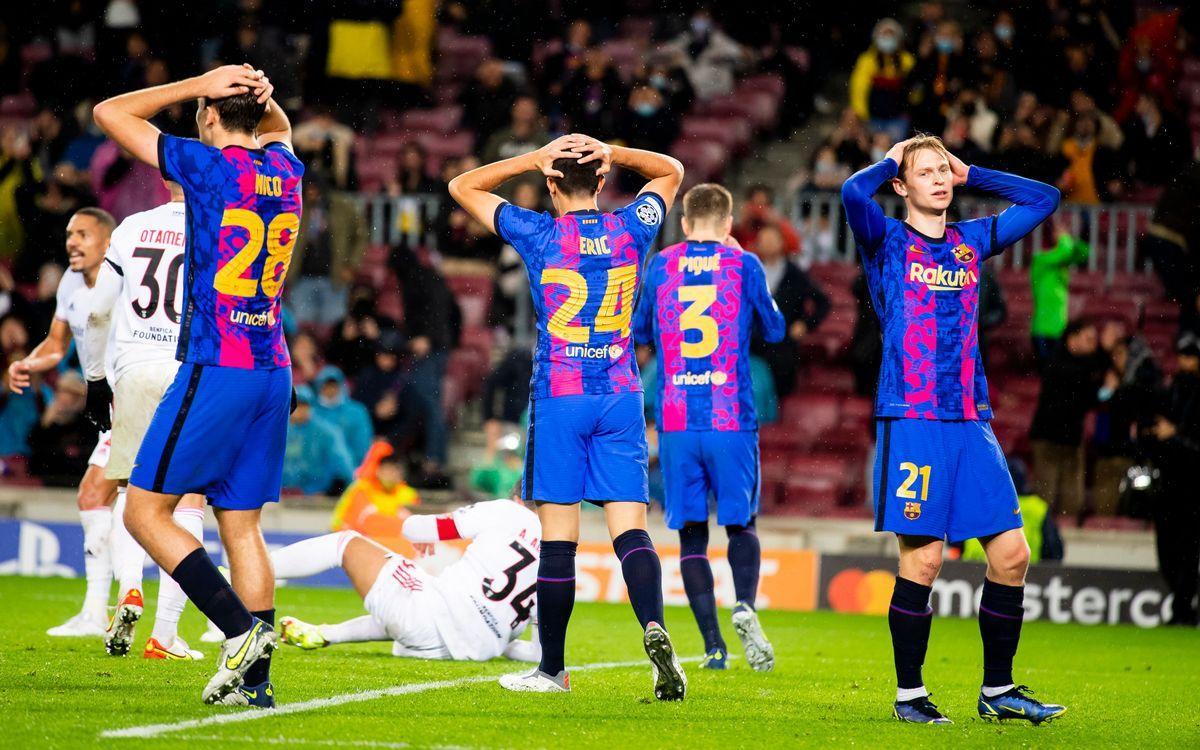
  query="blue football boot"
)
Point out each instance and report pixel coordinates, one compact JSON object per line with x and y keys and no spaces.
{"x":919,"y":711}
{"x":715,"y":659}
{"x":1017,"y":704}
{"x":258,"y":696}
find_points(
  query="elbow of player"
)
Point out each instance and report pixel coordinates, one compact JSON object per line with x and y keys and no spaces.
{"x":456,"y":189}
{"x":676,"y":168}
{"x":100,"y":114}
{"x":1053,"y":198}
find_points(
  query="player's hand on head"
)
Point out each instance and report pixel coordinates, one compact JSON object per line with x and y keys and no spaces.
{"x":231,"y":80}
{"x":559,"y":148}
{"x":265,"y":88}
{"x":896,"y":152}
{"x":958,"y":168}
{"x":593,"y":150}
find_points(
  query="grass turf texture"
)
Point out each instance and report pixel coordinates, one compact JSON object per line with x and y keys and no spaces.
{"x":832,"y":687}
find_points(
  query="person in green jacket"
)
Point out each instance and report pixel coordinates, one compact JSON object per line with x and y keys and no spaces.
{"x":1050,"y":279}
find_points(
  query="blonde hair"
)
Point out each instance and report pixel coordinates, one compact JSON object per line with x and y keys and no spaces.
{"x":921,"y":141}
{"x":706,"y":202}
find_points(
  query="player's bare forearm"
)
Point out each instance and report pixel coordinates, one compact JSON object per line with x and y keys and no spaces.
{"x":665,"y":173}
{"x":274,"y":127}
{"x":473,"y":190}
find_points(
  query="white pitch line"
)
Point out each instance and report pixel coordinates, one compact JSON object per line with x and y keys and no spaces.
{"x":154,"y":730}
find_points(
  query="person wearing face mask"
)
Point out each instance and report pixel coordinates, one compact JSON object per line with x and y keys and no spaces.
{"x":709,"y":55}
{"x":879,"y":83}
{"x":1089,"y":164}
{"x":938,"y":77}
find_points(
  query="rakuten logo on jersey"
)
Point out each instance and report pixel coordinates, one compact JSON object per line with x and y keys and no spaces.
{"x":700,"y":264}
{"x":708,"y":377}
{"x":608,"y":351}
{"x":246,"y":318}
{"x":942,"y":279}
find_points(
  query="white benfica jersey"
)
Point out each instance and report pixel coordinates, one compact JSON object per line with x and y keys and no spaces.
{"x":73,"y":303}
{"x":490,"y":592}
{"x":147,"y":250}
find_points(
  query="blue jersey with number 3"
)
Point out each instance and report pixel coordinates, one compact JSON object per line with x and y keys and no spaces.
{"x":243,"y":216}
{"x":584,"y":271}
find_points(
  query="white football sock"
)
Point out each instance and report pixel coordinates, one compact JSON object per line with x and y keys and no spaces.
{"x":992,"y":692}
{"x":128,"y":557}
{"x":97,"y":561}
{"x":365,"y":628}
{"x":171,"y":599}
{"x":311,"y":556}
{"x":907,"y":694}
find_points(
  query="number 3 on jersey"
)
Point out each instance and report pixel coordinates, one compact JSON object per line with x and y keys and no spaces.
{"x":280,"y":239}
{"x":616,"y":308}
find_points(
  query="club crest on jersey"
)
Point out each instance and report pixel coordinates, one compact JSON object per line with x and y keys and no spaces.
{"x":649,"y":214}
{"x":699,"y":264}
{"x":941,"y":279}
{"x":912,"y":511}
{"x":964,"y":253}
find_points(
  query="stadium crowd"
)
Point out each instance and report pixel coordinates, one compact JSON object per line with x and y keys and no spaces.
{"x":393,"y":99}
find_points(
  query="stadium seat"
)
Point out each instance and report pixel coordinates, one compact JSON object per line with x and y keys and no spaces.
{"x":705,"y":160}
{"x":732,"y":133}
{"x":810,"y":415}
{"x":438,"y":120}
{"x":766,"y":82}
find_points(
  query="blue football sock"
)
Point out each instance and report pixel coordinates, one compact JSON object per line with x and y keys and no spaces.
{"x":1001,"y":612}
{"x":698,"y":583}
{"x":212,"y":594}
{"x":909,"y":619}
{"x":643,"y":575}
{"x":555,"y":600}
{"x":745,"y":559}
{"x":260,"y":671}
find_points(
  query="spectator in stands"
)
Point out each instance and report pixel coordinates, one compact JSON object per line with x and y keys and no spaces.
{"x":1071,"y":383}
{"x":467,"y":239}
{"x":1050,"y":282}
{"x":1151,"y":58}
{"x":594,"y":96}
{"x":14,"y":336}
{"x":326,"y":146}
{"x":993,"y":76}
{"x":1089,"y":164}
{"x":648,"y":121}
{"x":19,"y":413}
{"x":349,"y":417}
{"x":377,"y":501}
{"x":562,"y":64}
{"x":825,"y":172}
{"x":801,"y":301}
{"x":1172,"y":240}
{"x":852,"y":142}
{"x":1173,"y":440}
{"x":1124,"y":399}
{"x":670,"y":79}
{"x":17,"y":168}
{"x":487,"y":100}
{"x":957,"y":136}
{"x":496,"y":477}
{"x":330,"y":247}
{"x":879,"y":83}
{"x":433,"y":324}
{"x":411,"y":179}
{"x":316,"y":460}
{"x":512,"y":280}
{"x":938,"y":77}
{"x":62,"y":440}
{"x":356,"y":337}
{"x":866,"y":343}
{"x":378,"y":385}
{"x":1107,"y":132}
{"x":797,"y":101}
{"x":44,"y":209}
{"x":505,"y":396}
{"x":1018,"y":150}
{"x":1157,"y":143}
{"x":523,"y":134}
{"x":124,"y":185}
{"x":709,"y":55}
{"x":758,"y":211}
{"x":306,"y":357}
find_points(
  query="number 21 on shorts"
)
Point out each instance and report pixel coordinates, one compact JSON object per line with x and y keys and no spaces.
{"x":905,"y":490}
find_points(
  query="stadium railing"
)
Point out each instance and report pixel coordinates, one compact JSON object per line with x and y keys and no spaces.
{"x":1112,"y":229}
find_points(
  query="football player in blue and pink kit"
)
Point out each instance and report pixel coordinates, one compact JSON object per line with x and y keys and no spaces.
{"x":939,"y":472}
{"x":587,"y":438}
{"x":222,"y":425}
{"x":699,"y":306}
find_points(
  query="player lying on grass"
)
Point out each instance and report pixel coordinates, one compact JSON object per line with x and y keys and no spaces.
{"x":699,"y":307}
{"x":140,"y":284}
{"x":474,"y":610}
{"x":587,"y":432}
{"x":88,"y":234}
{"x":939,"y":471}
{"x":221,"y":428}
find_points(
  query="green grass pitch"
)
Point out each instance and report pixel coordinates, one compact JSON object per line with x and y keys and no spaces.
{"x":832,"y":687}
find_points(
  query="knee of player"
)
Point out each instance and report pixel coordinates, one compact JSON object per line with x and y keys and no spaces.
{"x":1011,"y":564}
{"x":927,"y":564}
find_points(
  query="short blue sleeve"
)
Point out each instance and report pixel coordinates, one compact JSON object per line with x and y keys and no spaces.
{"x":188,"y":162}
{"x":643,"y":314}
{"x":527,"y":231}
{"x":643,"y":218}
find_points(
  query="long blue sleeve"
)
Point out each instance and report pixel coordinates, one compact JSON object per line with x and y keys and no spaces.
{"x":769,"y":315}
{"x":1033,"y":202}
{"x":866,"y":218}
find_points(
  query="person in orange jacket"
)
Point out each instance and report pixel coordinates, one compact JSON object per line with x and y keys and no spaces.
{"x":376,"y":502}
